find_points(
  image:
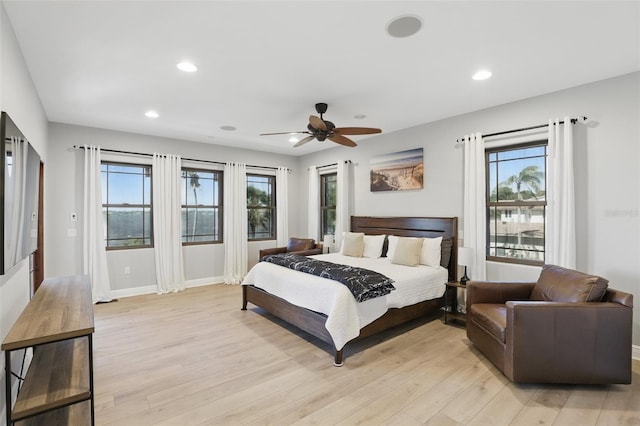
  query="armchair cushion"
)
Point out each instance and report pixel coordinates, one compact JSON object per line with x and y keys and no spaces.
{"x":558,"y":284}
{"x":299,"y":244}
{"x":492,"y":317}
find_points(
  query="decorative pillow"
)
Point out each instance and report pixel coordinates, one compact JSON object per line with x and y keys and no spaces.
{"x":391,"y":247}
{"x":430,"y":253}
{"x":445,"y":252}
{"x":558,"y":284}
{"x":407,"y":251}
{"x":373,"y":245}
{"x":353,"y":244}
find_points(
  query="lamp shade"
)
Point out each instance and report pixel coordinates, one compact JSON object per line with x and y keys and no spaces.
{"x":465,"y":256}
{"x":327,"y":243}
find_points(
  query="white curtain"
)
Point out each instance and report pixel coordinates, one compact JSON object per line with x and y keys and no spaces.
{"x":167,"y":222}
{"x":16,"y":176}
{"x":235,"y":222}
{"x":342,"y":201}
{"x":475,"y":224}
{"x":560,"y":234}
{"x":93,"y":236}
{"x":314,"y":203}
{"x":282,"y":209}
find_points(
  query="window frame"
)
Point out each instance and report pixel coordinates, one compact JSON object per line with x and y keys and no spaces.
{"x":516,"y":203}
{"x":108,"y":205}
{"x":272,"y":207}
{"x":323,"y":207}
{"x":219,"y":206}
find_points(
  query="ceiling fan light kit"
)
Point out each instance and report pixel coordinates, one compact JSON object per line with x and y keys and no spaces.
{"x":321,"y":130}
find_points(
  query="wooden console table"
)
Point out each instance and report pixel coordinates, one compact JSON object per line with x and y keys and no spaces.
{"x":58,"y":386}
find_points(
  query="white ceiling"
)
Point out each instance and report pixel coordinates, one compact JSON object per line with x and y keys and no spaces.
{"x":264,"y":64}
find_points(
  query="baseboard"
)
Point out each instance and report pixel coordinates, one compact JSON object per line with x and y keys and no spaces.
{"x":635,"y":352}
{"x":151,"y":289}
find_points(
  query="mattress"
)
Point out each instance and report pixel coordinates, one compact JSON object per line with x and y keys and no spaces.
{"x":345,"y":316}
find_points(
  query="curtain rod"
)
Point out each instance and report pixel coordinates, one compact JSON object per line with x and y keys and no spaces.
{"x":504,"y":132}
{"x":115,"y":151}
{"x":331,"y":165}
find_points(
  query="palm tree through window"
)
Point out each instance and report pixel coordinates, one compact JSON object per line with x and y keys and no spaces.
{"x":201,"y":206}
{"x":516,"y":203}
{"x":261,"y":207}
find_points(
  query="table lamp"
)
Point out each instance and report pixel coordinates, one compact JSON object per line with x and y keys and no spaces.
{"x":465,"y":257}
{"x":327,"y":243}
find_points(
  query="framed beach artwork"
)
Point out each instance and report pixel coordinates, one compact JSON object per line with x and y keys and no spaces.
{"x":397,"y":171}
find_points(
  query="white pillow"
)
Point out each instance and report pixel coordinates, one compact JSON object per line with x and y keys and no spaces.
{"x":352,"y":244}
{"x":407,"y":251}
{"x":391,"y":248}
{"x":373,"y":246}
{"x":430,"y":253}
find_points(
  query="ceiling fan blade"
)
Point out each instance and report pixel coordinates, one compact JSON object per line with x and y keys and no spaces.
{"x":283,"y":133}
{"x":342,"y":140}
{"x":355,"y":130}
{"x":317,"y":123}
{"x":303,"y":141}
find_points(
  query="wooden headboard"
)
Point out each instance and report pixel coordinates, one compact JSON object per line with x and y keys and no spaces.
{"x":426,"y":227}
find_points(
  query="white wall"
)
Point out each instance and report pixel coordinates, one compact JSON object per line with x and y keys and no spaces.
{"x":606,"y":167}
{"x":19,"y":99}
{"x":203,"y":263}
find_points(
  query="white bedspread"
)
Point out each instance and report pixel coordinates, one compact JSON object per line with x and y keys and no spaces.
{"x":345,"y":316}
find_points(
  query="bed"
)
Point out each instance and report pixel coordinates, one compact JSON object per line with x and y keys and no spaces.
{"x":265,"y":284}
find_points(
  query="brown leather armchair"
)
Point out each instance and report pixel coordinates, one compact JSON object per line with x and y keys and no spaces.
{"x":568,"y":327}
{"x":301,"y":246}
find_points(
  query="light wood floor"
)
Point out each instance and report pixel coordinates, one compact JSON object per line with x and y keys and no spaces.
{"x":195,"y":358}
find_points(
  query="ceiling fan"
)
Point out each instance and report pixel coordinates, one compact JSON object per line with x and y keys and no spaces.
{"x":321,"y":129}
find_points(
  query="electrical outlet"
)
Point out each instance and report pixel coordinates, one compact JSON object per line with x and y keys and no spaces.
{"x":127,"y":270}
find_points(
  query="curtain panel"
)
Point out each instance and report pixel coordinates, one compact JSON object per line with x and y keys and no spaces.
{"x":94,"y":254}
{"x":235,"y":222}
{"x":560,"y":232}
{"x":16,"y":192}
{"x":282,"y":209}
{"x":475,"y":222}
{"x":343,"y":197}
{"x":167,"y":223}
{"x":314,"y":204}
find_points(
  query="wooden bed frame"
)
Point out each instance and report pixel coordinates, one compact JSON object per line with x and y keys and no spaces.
{"x":314,"y":322}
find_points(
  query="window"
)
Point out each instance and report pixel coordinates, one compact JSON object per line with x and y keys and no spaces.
{"x":516,"y":203}
{"x":126,"y":205}
{"x":328,"y":190}
{"x":201,"y":206}
{"x":261,"y":207}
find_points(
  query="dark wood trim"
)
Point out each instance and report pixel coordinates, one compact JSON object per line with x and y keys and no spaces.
{"x":314,"y":322}
{"x":38,"y":256}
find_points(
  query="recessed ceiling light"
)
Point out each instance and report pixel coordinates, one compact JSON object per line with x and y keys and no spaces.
{"x":360,"y":116}
{"x":152,"y":114}
{"x":482,"y":75}
{"x":404,"y":26}
{"x":228,"y":128}
{"x":187,"y":67}
{"x":293,"y":139}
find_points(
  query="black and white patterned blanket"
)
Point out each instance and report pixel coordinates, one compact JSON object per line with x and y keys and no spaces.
{"x":363,"y":283}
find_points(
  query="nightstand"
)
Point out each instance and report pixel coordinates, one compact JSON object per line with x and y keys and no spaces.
{"x":451,"y":314}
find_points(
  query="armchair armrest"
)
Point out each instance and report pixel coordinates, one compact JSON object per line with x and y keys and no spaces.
{"x":568,"y":342}
{"x":264,"y":252}
{"x":496,"y":292}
